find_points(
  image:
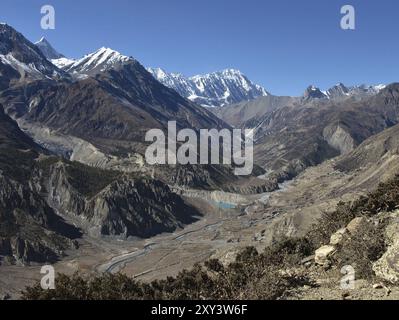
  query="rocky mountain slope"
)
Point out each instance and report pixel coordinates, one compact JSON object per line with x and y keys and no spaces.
{"x":359,"y":236}
{"x":118,"y":92}
{"x":99,"y":61}
{"x":215,"y":89}
{"x":341,"y":92}
{"x":292,"y":134}
{"x":30,"y":230}
{"x":22,"y":61}
{"x":238,"y":114}
{"x":48,"y":51}
{"x":108,"y":203}
{"x":37,"y":192}
{"x":111,"y":104}
{"x":318,"y":190}
{"x":96,"y":112}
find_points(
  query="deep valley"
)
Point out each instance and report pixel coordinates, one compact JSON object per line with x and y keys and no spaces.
{"x":76,"y":191}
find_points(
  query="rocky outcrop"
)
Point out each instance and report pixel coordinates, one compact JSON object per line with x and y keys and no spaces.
{"x":339,"y":138}
{"x":213,"y":196}
{"x":387,"y":267}
{"x":141,"y":208}
{"x":214,"y":177}
{"x":75,"y":149}
{"x":30,"y":231}
{"x":125,"y":206}
{"x":99,"y":202}
{"x":378,"y":148}
{"x":356,"y":225}
{"x":21,"y":61}
{"x":338,"y":237}
{"x":313,"y":92}
{"x":323,"y":255}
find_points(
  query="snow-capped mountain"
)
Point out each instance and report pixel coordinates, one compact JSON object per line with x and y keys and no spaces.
{"x":21,"y":60}
{"x":48,"y":51}
{"x":313,"y":92}
{"x":215,"y":89}
{"x":99,"y":61}
{"x":340,"y":92}
{"x":53,"y":55}
{"x":63,"y":63}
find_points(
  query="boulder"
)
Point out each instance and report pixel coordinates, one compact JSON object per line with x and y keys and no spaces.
{"x":323,"y":254}
{"x":387,"y":267}
{"x":337,"y":237}
{"x":392,"y":232}
{"x":355,"y":225}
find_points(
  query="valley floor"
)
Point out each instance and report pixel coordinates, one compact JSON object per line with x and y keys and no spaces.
{"x":255,"y":221}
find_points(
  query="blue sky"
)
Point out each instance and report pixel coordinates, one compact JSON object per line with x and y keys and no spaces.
{"x":284,"y":45}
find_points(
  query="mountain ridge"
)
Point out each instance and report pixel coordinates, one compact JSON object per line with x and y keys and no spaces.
{"x":213,"y":89}
{"x":47,"y":49}
{"x":21,"y":61}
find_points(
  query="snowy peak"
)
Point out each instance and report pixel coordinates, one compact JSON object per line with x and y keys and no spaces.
{"x":48,"y":51}
{"x":21,"y":60}
{"x":99,"y":61}
{"x":63,"y":63}
{"x":161,"y":75}
{"x":91,"y":64}
{"x":341,"y":92}
{"x":53,"y":55}
{"x":215,"y":89}
{"x":175,"y":81}
{"x":313,"y":92}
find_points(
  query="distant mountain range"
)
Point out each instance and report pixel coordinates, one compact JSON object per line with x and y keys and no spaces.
{"x":340,"y":92}
{"x":215,"y":89}
{"x":212,"y":90}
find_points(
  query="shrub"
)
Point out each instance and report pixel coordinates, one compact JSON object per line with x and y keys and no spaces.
{"x":362,"y":250}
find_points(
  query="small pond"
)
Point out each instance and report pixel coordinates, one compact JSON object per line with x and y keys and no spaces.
{"x":225,"y":205}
